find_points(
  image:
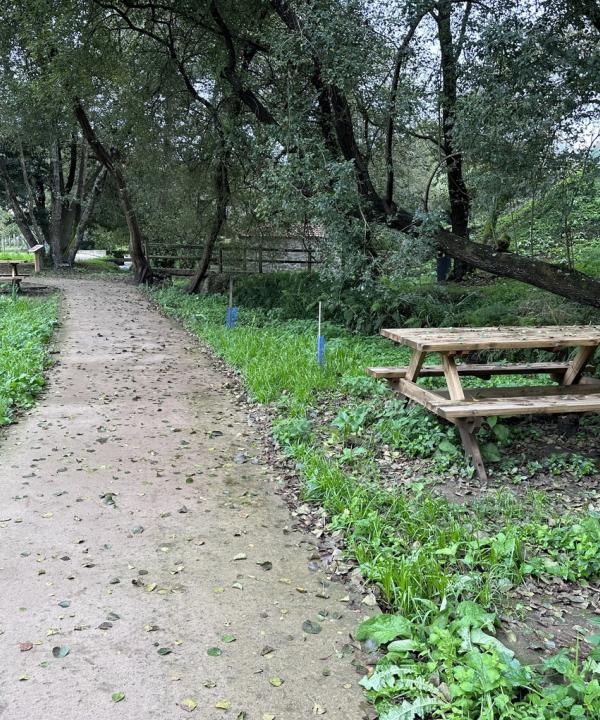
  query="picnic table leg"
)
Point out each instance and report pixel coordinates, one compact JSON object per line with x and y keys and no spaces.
{"x":466,"y":427}
{"x":578,"y":363}
{"x":415,"y":365}
{"x":467,"y":430}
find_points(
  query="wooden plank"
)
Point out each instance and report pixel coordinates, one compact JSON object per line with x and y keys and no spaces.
{"x":486,"y":338}
{"x":540,"y":405}
{"x":452,"y":379}
{"x":416,"y":361}
{"x":427,"y":398}
{"x":577,"y":364}
{"x":476,"y":369}
{"x":526,"y":391}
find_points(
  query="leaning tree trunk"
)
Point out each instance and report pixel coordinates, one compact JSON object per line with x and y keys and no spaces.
{"x":141,"y":266}
{"x":223,"y":194}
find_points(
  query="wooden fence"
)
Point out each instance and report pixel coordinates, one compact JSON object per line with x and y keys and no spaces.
{"x":181,"y":259}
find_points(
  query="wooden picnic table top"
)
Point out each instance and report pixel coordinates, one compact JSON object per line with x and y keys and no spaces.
{"x":490,"y":338}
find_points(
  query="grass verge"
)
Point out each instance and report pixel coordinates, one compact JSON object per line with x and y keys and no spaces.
{"x":26,"y":326}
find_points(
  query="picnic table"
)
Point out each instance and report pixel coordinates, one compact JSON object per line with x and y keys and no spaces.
{"x":14,"y":278}
{"x":466,"y":407}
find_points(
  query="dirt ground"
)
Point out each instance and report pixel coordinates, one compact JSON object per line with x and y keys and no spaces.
{"x":139,"y":528}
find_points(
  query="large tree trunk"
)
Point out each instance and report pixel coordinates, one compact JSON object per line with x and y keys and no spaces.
{"x":141,"y":266}
{"x":222,"y":196}
{"x":458,"y":195}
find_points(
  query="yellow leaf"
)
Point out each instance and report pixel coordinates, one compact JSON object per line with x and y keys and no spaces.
{"x":276,"y":681}
{"x":223,"y":704}
{"x":189,"y":704}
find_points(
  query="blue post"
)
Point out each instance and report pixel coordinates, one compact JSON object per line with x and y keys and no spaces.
{"x":321,"y":350}
{"x":320,"y":342}
{"x":232,"y":312}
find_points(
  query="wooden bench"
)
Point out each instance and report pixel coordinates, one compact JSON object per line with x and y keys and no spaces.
{"x":483,"y":371}
{"x":465,"y":407}
{"x":12,"y":279}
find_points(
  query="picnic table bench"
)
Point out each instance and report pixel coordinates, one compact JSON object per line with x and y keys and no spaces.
{"x":466,"y":407}
{"x":14,"y":278}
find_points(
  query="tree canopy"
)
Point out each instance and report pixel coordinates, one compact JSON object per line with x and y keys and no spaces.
{"x":397,"y":129}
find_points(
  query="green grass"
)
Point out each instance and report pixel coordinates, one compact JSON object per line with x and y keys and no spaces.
{"x":98,"y":265}
{"x":26,"y":326}
{"x":427,"y":556}
{"x":17,"y":256}
{"x":277,"y":358}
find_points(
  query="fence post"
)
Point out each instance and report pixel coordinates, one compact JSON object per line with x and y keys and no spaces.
{"x":260,"y":259}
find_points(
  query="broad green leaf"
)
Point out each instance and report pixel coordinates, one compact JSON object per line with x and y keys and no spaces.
{"x":384,"y":628}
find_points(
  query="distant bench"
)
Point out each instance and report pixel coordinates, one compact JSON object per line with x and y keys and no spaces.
{"x":466,"y":407}
{"x":14,"y":278}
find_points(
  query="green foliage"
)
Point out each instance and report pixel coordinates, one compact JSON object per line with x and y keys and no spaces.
{"x":452,"y":666}
{"x":572,"y":463}
{"x":6,"y":255}
{"x":26,"y":326}
{"x":291,"y":430}
{"x":571,"y":548}
{"x":400,"y":302}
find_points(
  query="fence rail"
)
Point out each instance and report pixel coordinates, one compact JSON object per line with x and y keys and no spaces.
{"x":237,"y":259}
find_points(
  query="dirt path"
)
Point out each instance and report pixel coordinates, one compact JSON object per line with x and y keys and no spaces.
{"x":138,"y":417}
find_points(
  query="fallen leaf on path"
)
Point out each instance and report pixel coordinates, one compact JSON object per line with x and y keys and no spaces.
{"x":228,"y":638}
{"x":265,"y":564}
{"x":268,"y":716}
{"x":276,"y":681}
{"x":311,"y":627}
{"x":60,"y":651}
{"x":223,"y":704}
{"x":267,"y":650}
{"x":189,"y":704}
{"x":25,"y":646}
{"x":64,"y":603}
{"x":164,"y":651}
{"x":118,"y":696}
{"x":214,"y":651}
{"x":240,"y":556}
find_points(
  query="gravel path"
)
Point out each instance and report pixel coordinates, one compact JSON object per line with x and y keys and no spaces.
{"x":134,"y":513}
